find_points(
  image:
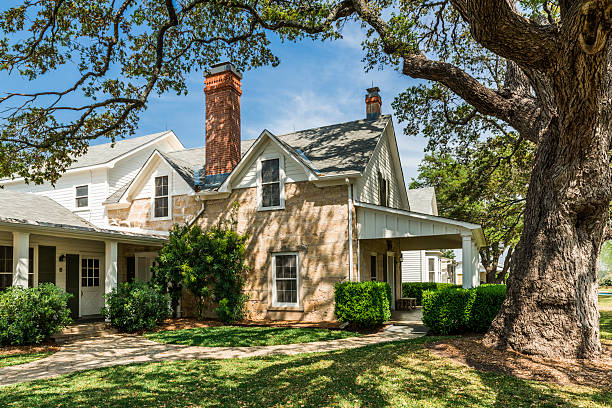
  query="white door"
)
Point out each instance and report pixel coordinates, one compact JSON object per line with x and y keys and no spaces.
{"x":92,"y":285}
{"x":391,"y":275}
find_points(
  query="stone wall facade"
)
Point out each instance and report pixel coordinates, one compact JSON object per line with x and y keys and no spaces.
{"x":314,"y":224}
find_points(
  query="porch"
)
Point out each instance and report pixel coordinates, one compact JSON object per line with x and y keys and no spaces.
{"x":384,"y":233}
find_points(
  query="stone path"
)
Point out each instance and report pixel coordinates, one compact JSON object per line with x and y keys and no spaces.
{"x":117,"y":349}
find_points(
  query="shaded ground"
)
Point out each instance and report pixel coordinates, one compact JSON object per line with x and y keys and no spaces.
{"x":7,"y":360}
{"x":399,"y":374}
{"x":190,"y":323}
{"x":241,"y":336}
{"x":470,"y":351}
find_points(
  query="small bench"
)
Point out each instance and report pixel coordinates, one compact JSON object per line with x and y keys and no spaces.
{"x":405,"y":303}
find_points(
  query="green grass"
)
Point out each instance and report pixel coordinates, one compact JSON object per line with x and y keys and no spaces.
{"x":234,"y":336}
{"x":401,"y":374}
{"x":16,"y":359}
{"x":605,"y":302}
{"x":605,"y":319}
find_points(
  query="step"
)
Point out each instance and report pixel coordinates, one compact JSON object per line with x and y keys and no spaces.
{"x":83,"y":331}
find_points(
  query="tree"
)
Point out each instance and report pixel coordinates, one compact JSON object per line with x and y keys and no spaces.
{"x":475,"y":189}
{"x":540,"y":68}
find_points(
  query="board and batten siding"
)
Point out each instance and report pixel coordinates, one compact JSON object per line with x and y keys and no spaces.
{"x":293,"y":171}
{"x":366,"y":188}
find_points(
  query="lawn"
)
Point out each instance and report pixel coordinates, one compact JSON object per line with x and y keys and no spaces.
{"x":233,"y":336}
{"x":16,"y":359}
{"x":605,"y":319}
{"x":401,"y":374}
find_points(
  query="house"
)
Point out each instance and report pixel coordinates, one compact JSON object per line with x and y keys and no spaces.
{"x":320,"y":206}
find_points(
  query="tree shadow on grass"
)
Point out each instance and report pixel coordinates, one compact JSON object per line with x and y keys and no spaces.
{"x":384,"y":375}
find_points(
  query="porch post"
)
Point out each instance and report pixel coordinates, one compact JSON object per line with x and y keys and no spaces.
{"x":110,"y":278}
{"x":469,"y":262}
{"x":21,"y":258}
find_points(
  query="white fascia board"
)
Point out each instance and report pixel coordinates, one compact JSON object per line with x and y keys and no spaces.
{"x":155,"y":155}
{"x":246,"y":159}
{"x":399,"y":171}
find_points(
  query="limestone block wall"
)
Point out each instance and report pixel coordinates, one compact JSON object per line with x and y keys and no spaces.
{"x":314,"y":224}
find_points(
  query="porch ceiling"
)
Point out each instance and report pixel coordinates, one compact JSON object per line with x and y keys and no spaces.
{"x":414,"y":230}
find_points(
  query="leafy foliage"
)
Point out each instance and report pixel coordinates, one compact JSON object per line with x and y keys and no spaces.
{"x":456,"y":310}
{"x":32,"y":315}
{"x":363,"y":304}
{"x":136,"y":306}
{"x":415,"y":289}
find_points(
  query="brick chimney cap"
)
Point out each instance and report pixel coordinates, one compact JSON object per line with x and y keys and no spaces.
{"x":373,"y":91}
{"x":223,"y":67}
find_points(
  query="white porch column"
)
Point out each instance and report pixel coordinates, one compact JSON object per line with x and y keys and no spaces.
{"x":469,"y":259}
{"x":21,"y":258}
{"x":110,"y":277}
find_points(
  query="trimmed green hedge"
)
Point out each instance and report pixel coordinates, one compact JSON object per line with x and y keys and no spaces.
{"x":363,"y":304}
{"x":456,"y":310}
{"x":32,"y":315}
{"x":415,"y":289}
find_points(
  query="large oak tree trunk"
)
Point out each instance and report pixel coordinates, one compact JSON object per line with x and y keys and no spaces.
{"x":551,"y":305}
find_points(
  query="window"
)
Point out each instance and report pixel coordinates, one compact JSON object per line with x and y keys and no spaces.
{"x":6,"y":267}
{"x":432,"y":269}
{"x":385,"y":269}
{"x":383,"y":190}
{"x":270,"y":183}
{"x":31,"y":268}
{"x":372,"y":267}
{"x":90,"y":272}
{"x":161,"y":197}
{"x":286,"y":280}
{"x":82,"y":196}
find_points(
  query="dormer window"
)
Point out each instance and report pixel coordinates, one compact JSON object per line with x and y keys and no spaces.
{"x":160,"y":201}
{"x":271,"y":188}
{"x":82,"y":196}
{"x":383,"y":190}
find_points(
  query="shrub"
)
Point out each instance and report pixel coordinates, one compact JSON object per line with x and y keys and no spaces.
{"x":363,"y":304}
{"x":32,"y":315}
{"x":483,"y":305}
{"x":455,"y":310}
{"x":136,"y":306}
{"x":443,"y":310}
{"x":415,"y":289}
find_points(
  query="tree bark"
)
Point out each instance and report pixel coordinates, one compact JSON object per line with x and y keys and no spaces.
{"x":551,"y":305}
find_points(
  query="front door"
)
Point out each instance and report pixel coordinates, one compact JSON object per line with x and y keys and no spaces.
{"x":72,"y":283}
{"x":46,"y":264}
{"x":391,"y":276}
{"x":92,"y":285}
{"x":144,"y":262}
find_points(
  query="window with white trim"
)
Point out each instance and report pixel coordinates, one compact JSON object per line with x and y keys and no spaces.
{"x":270,"y":183}
{"x":90,"y":272}
{"x":286,"y":280}
{"x":160,"y":201}
{"x":373,"y":275}
{"x":431,"y":263}
{"x":383,"y":190}
{"x":82,"y":196}
{"x":6,"y":267}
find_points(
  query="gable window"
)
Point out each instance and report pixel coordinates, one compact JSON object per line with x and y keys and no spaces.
{"x":160,"y":202}
{"x":82,"y":196}
{"x":383,"y":190}
{"x":286,"y":280}
{"x":372,"y":267}
{"x":90,"y":272}
{"x":271,"y":188}
{"x":6,"y":267}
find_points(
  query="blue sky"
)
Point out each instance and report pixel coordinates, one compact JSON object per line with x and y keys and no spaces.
{"x":316,"y":84}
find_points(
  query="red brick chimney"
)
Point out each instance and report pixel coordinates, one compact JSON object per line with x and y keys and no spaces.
{"x":222,"y":90}
{"x":373,"y":103}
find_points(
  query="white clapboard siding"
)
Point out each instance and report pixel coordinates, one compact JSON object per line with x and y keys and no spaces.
{"x":412,"y":266}
{"x":176,"y":184}
{"x":367,"y":186}
{"x":293,"y":171}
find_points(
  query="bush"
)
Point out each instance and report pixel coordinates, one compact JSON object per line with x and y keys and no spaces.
{"x":455,"y":310}
{"x":32,"y":315}
{"x":415,"y":289}
{"x":363,"y":304}
{"x":136,"y":306}
{"x":443,"y":310}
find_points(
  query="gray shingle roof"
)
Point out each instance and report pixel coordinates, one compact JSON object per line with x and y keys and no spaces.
{"x":330,"y":150}
{"x":36,"y":210}
{"x":103,"y":153}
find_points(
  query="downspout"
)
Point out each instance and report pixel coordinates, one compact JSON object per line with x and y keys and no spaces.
{"x":350,"y":227}
{"x":195,"y":218}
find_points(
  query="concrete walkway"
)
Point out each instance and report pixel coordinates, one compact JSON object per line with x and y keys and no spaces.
{"x":117,"y":349}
